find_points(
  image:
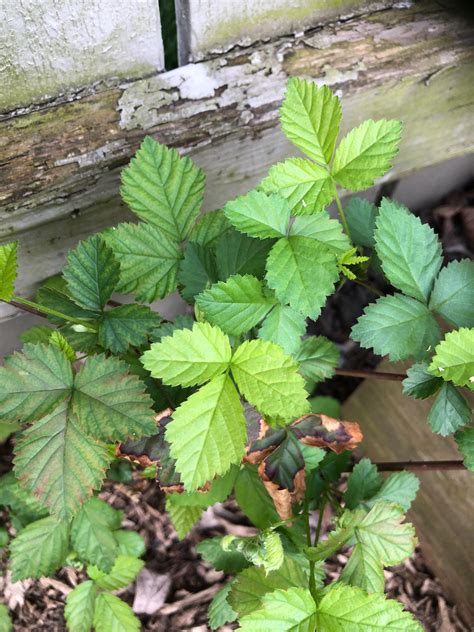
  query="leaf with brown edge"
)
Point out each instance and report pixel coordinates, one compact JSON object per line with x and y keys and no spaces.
{"x":267,"y":441}
{"x":325,"y":432}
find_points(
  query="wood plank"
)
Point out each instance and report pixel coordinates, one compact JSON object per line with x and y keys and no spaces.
{"x":48,"y":48}
{"x":395,"y":429}
{"x":210,"y":27}
{"x":60,"y":164}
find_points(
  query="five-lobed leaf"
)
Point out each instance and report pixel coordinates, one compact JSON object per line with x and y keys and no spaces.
{"x":453,"y":293}
{"x":80,"y":604}
{"x":8,"y":266}
{"x":259,"y":215}
{"x":284,"y":326}
{"x":454,"y":358}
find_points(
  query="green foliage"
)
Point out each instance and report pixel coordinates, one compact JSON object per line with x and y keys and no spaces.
{"x":284,"y":326}
{"x":453,"y":293}
{"x":220,"y":612}
{"x":126,"y":325}
{"x":183,"y":517}
{"x":239,"y":254}
{"x":80,"y":605}
{"x":197,"y":270}
{"x":465,"y":441}
{"x":449,"y":412}
{"x":322,"y":229}
{"x":318,"y":357}
{"x":419,"y":383}
{"x":362,"y":484}
{"x":122,"y":573}
{"x":259,"y":215}
{"x":5,"y":621}
{"x":8,"y":265}
{"x":283,"y":611}
{"x":361,"y":216}
{"x":454,"y":358}
{"x":111,"y":614}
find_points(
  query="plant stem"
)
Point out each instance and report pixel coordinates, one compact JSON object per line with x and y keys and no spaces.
{"x":341,"y":212}
{"x":369,"y":286}
{"x":377,"y":375}
{"x":397,"y":466}
{"x":41,"y":310}
{"x":312,"y":565}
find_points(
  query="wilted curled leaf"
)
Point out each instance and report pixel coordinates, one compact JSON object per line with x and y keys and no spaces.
{"x":267,"y":441}
{"x":325,"y":432}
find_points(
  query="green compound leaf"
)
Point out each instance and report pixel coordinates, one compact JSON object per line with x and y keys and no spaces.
{"x":208,"y":432}
{"x":235,"y":305}
{"x":59,"y":463}
{"x":189,"y":357}
{"x":259,"y":215}
{"x":239,"y":254}
{"x":453,"y":293}
{"x":110,"y":403}
{"x":303,"y":274}
{"x":33,"y":382}
{"x":349,"y":608}
{"x":123,"y":573}
{"x":323,"y":229}
{"x":92,"y":273}
{"x":454,"y":358}
{"x":363,"y":483}
{"x":183,"y":517}
{"x":8,"y":268}
{"x":409,"y":250}
{"x":310,"y":117}
{"x":197,"y":271}
{"x":163,"y":189}
{"x":149,"y":260}
{"x":92,"y":533}
{"x":361,"y":215}
{"x":399,"y":488}
{"x":465,"y":441}
{"x":269,"y":380}
{"x":291,"y":610}
{"x":399,"y":326}
{"x":79,"y":610}
{"x":364,"y":570}
{"x":39,"y":549}
{"x":126,"y":325}
{"x":449,"y":412}
{"x":419,"y":383}
{"x":220,"y":612}
{"x":284,"y":326}
{"x":209,"y":228}
{"x":111,"y":614}
{"x":307,"y":187}
{"x":318,"y":358}
{"x":366,"y":153}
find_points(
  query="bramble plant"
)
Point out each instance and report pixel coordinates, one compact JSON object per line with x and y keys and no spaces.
{"x":219,"y":403}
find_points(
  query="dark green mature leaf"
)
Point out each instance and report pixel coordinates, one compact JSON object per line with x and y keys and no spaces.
{"x":318,"y":358}
{"x":453,"y":293}
{"x":33,"y":382}
{"x":230,"y":561}
{"x":454,"y":358}
{"x":149,"y":260}
{"x":92,"y":273}
{"x":307,"y":187}
{"x":55,"y":294}
{"x":239,"y":254}
{"x":8,"y":265}
{"x":182,"y":321}
{"x":363,"y":483}
{"x":253,"y":498}
{"x":111,"y":614}
{"x":284,"y":326}
{"x":449,"y":412}
{"x":24,"y":505}
{"x":409,"y":251}
{"x":303,"y":274}
{"x":291,"y":610}
{"x":361,"y":215}
{"x":236,"y":305}
{"x":197,"y":271}
{"x":38,"y":334}
{"x":259,"y":215}
{"x":58,"y":462}
{"x":209,"y":228}
{"x":310,"y":117}
{"x":399,"y":326}
{"x":323,"y":229}
{"x":365,"y":153}
{"x":39,"y":549}
{"x":465,"y":441}
{"x":163,"y":188}
{"x":220,"y":612}
{"x":79,"y":610}
{"x":400,"y":488}
{"x":283,"y":465}
{"x":419,"y":383}
{"x":126,"y":325}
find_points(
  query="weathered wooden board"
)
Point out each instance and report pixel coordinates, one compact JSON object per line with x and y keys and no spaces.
{"x":210,"y":27}
{"x":395,"y":429}
{"x":59,"y":165}
{"x":48,"y":48}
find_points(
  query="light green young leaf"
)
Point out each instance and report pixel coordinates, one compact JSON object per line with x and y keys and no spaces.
{"x":337,"y":538}
{"x":264,"y":550}
{"x":409,"y":251}
{"x":449,"y":412}
{"x":123,"y":573}
{"x":126,"y":325}
{"x":58,"y":462}
{"x":349,"y":608}
{"x":365,"y":153}
{"x":183,"y":517}
{"x":149,"y":260}
{"x":130,"y":543}
{"x":310,"y":117}
{"x":189,"y":357}
{"x":208,"y":432}
{"x":364,"y":570}
{"x":259,"y":215}
{"x":92,"y":273}
{"x":400,"y":488}
{"x":111,"y":614}
{"x":235,"y":305}
{"x":361,"y":215}
{"x":220,"y":612}
{"x":453,"y":293}
{"x":318,"y":358}
{"x":209,"y":228}
{"x":79,"y":610}
{"x":363,"y":483}
{"x":92,"y":533}
{"x":38,"y":334}
{"x":284,"y":326}
{"x":303,"y":273}
{"x":239,"y":254}
{"x":8,"y":267}
{"x":33,"y":382}
{"x":110,"y":403}
{"x":59,"y":341}
{"x":419,"y":383}
{"x":39,"y":549}
{"x":399,"y":326}
{"x":307,"y":186}
{"x":465,"y":441}
{"x":5,"y":621}
{"x":454,"y":358}
{"x":164,"y":189}
{"x":323,"y":229}
{"x":197,"y":271}
{"x":292,"y":610}
{"x":269,"y":380}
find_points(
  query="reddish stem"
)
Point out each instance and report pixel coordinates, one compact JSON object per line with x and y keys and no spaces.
{"x":397,"y":466}
{"x":378,"y":375}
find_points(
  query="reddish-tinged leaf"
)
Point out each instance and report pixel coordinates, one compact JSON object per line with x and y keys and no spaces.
{"x":325,"y":432}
